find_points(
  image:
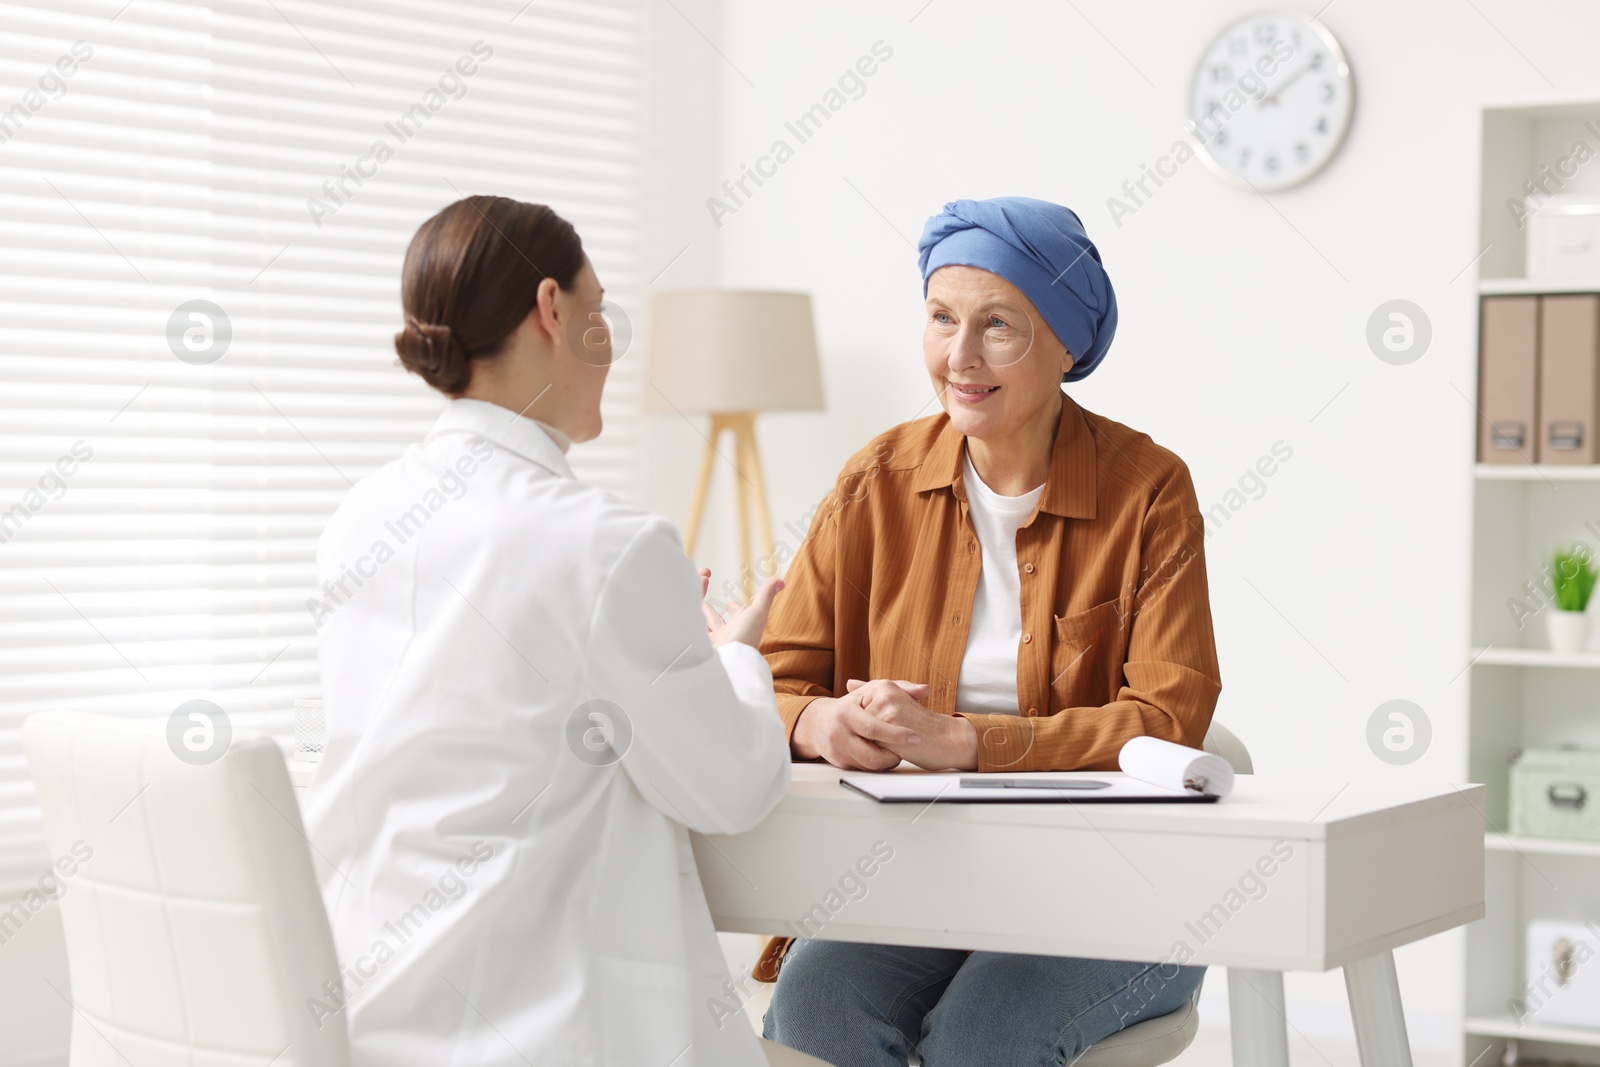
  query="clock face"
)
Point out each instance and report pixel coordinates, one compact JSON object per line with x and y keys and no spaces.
{"x":1271,"y":100}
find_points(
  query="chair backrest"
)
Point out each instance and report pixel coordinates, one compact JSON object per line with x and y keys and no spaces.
{"x":1224,"y":742}
{"x":195,"y":932}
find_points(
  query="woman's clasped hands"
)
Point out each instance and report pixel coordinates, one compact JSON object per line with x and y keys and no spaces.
{"x":878,"y":723}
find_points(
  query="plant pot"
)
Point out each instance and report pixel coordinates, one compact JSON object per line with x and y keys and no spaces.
{"x":1569,"y":630}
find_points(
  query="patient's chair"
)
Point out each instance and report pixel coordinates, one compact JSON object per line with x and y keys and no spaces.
{"x":1157,"y":1041}
{"x":1163,"y":1039}
{"x":195,"y":932}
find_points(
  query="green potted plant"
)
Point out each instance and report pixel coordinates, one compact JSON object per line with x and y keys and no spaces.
{"x":1572,"y":578}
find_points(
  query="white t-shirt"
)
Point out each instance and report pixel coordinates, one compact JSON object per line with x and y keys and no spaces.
{"x":988,"y":680}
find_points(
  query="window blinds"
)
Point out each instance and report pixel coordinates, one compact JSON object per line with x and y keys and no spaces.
{"x":204,"y":208}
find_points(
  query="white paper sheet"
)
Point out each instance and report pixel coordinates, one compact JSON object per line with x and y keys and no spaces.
{"x":1119,"y":789}
{"x":1152,"y":771}
{"x":1163,"y":763}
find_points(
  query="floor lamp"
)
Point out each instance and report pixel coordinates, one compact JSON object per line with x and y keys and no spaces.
{"x":732,"y":354}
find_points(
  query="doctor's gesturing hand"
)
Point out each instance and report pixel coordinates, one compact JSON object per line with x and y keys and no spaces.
{"x":744,"y":623}
{"x":878,"y":723}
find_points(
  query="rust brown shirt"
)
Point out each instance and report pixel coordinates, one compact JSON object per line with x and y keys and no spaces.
{"x":1116,"y":618}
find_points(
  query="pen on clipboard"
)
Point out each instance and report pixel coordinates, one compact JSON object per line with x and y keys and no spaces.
{"x":1032,"y":783}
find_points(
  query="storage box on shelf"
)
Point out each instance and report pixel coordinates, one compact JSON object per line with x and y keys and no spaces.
{"x":1563,"y":235}
{"x":1556,"y":793}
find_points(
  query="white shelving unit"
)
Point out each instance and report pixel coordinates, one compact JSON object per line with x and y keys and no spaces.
{"x":1525,"y":286}
{"x":1490,"y":656}
{"x":1505,"y":1025}
{"x":1538,"y":472}
{"x":1540,"y":846}
{"x":1522,"y":694}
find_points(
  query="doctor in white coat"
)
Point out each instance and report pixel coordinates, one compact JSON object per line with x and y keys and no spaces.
{"x":528,"y":703}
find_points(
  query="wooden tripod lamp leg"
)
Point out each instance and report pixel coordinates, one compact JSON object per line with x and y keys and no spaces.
{"x":746,"y":575}
{"x":752,"y":493}
{"x":702,"y":486}
{"x":750,"y":461}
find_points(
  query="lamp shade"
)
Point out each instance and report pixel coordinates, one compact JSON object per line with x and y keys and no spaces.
{"x":724,"y":350}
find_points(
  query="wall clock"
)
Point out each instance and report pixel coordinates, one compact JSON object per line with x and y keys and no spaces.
{"x":1271,"y":100}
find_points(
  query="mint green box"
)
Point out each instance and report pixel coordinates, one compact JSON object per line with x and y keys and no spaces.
{"x":1555,"y":792}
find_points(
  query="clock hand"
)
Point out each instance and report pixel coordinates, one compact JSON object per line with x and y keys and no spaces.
{"x":1290,"y":80}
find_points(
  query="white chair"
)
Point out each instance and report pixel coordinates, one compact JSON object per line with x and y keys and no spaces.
{"x":1224,"y":742}
{"x":195,"y":932}
{"x":782,"y":1056}
{"x":1147,"y":1044}
{"x":1164,"y":1038}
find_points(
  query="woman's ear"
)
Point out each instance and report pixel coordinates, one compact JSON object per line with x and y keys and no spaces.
{"x":546,"y":315}
{"x":1066,"y":361}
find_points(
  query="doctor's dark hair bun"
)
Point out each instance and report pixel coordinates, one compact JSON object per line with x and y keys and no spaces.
{"x":471,"y":276}
{"x":432,"y":352}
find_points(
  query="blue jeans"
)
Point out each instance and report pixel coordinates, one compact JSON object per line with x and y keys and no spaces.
{"x":871,"y":1005}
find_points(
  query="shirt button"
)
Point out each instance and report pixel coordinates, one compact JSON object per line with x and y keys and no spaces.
{"x":1028,"y":567}
{"x":1027,"y":638}
{"x":1033,"y":711}
{"x":957,"y":617}
{"x":972,"y":546}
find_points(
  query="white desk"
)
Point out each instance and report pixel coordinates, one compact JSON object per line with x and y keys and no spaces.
{"x":1370,"y":866}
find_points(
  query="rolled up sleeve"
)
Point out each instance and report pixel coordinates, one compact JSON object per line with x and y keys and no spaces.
{"x":799,"y":639}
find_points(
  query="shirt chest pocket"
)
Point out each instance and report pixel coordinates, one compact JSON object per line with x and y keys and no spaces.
{"x":1088,"y":654}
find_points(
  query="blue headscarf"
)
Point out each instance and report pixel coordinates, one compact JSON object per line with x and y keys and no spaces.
{"x":1042,"y":249}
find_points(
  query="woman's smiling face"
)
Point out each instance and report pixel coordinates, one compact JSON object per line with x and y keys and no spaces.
{"x":993,"y":360}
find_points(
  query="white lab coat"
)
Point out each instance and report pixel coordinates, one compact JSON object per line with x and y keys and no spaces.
{"x":502,"y":889}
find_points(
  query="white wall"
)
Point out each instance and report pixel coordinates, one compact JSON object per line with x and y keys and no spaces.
{"x":683,"y":124}
{"x":1242,"y":318}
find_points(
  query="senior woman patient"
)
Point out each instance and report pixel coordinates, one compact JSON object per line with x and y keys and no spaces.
{"x":1012,"y":584}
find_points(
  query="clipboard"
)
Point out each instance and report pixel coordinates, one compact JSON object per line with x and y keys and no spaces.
{"x":1054,"y":787}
